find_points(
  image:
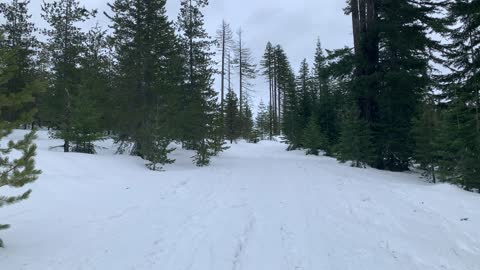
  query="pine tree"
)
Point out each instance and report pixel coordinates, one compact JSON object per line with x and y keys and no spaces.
{"x":325,"y":76}
{"x":19,"y":35}
{"x":17,"y":172}
{"x":201,"y":112}
{"x":262,"y":121}
{"x":148,"y":78}
{"x":355,"y":139}
{"x":313,"y":139}
{"x":288,"y":113}
{"x":43,"y":72}
{"x":247,"y":124}
{"x":427,"y":148}
{"x":158,"y":149}
{"x":320,"y":71}
{"x":304,"y":92}
{"x":267,"y":64}
{"x":336,"y":100}
{"x":89,"y":104}
{"x":65,"y":43}
{"x":232,"y":117}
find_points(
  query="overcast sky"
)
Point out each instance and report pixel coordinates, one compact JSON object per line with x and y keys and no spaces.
{"x":294,"y":24}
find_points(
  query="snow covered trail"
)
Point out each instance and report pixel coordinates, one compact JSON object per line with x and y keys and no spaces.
{"x":257,"y":207}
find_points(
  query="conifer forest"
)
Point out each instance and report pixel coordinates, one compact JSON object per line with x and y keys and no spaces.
{"x":400,"y":99}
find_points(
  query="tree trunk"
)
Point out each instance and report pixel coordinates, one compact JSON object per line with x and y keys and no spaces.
{"x":240,"y":64}
{"x":279,"y":110}
{"x":275,"y":125}
{"x":356,"y":27}
{"x":223,"y":67}
{"x":66,"y":146}
{"x":270,"y":118}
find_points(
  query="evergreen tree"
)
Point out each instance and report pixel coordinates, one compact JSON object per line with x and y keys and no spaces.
{"x":17,"y":172}
{"x":304,"y":92}
{"x":89,"y":104}
{"x":232,"y":117}
{"x":201,"y":112}
{"x":289,"y":116}
{"x":392,"y":71}
{"x":320,"y":71}
{"x":43,"y":72}
{"x":267,"y":64}
{"x":463,"y":96}
{"x":66,"y":45}
{"x":262,"y":121}
{"x":247,"y":124}
{"x":313,"y":139}
{"x":148,"y":78}
{"x":19,"y":35}
{"x":355,"y":139}
{"x":324,"y":80}
{"x":158,"y":149}
{"x":426,"y":131}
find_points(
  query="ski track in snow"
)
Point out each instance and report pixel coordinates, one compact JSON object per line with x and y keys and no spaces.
{"x":256,"y":207}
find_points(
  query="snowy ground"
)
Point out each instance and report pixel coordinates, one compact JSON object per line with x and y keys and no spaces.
{"x":257,"y":207}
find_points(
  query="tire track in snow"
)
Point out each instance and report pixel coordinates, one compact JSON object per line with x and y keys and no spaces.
{"x":243,"y":243}
{"x":291,"y":256}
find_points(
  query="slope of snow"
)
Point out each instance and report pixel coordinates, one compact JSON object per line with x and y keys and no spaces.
{"x":257,"y":207}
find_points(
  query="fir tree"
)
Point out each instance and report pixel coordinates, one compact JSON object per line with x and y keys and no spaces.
{"x":88,"y":105}
{"x":17,"y":172}
{"x":267,"y":64}
{"x":325,"y":76}
{"x":247,"y":124}
{"x":65,"y":43}
{"x":201,"y":112}
{"x":313,"y":139}
{"x":158,"y":149}
{"x":148,"y":78}
{"x":262,"y":121}
{"x":355,"y":140}
{"x":288,"y":113}
{"x":306,"y":99}
{"x":19,"y":35}
{"x":232,"y":117}
{"x":426,"y":131}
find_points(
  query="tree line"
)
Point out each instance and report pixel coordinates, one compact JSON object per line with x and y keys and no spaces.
{"x":146,"y":81}
{"x":385,"y":103}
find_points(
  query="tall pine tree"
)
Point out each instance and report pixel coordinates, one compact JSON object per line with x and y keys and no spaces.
{"x":232,"y":117}
{"x":148,"y":78}
{"x":202,"y":121}
{"x":66,"y":46}
{"x":267,"y":65}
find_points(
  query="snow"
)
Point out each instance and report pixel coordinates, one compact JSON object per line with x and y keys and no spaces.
{"x":256,"y":207}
